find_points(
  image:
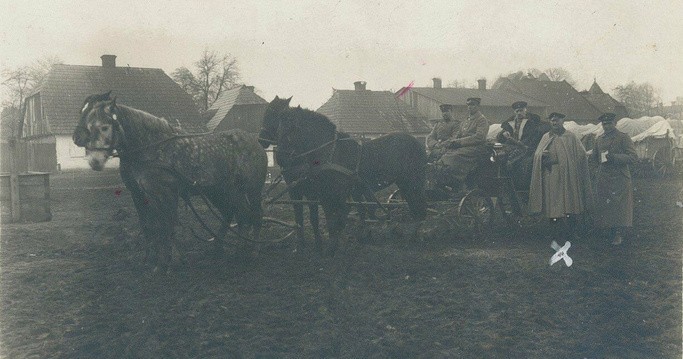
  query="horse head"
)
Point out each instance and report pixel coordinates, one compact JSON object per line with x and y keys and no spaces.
{"x":98,"y":130}
{"x":271,"y":120}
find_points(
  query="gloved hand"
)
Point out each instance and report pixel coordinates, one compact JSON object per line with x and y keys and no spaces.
{"x":546,"y":162}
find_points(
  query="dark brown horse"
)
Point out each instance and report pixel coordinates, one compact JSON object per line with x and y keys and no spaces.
{"x":158,"y":164}
{"x":320,"y":163}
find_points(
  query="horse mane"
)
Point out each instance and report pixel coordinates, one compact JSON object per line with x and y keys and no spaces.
{"x":312,"y":118}
{"x":144,"y":122}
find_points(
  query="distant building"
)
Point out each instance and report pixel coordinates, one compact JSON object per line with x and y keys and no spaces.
{"x":370,"y":114}
{"x":558,"y":96}
{"x":604,"y":101}
{"x":675,"y":111}
{"x":239,"y":108}
{"x":52,"y":110}
{"x":496,"y":104}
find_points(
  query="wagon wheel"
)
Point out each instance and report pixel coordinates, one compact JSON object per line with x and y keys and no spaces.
{"x":475,"y":212}
{"x":663,"y":161}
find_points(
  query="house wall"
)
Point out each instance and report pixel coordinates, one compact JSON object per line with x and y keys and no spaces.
{"x":70,"y":156}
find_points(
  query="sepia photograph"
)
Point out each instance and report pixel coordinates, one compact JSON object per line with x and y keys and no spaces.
{"x":341,"y":179}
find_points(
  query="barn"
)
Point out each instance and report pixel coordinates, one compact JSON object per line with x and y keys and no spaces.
{"x":239,"y":107}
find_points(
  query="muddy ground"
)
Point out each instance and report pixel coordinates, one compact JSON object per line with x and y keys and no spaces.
{"x":76,"y":287}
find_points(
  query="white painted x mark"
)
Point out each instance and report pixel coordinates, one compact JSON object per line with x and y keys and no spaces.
{"x":561,"y":253}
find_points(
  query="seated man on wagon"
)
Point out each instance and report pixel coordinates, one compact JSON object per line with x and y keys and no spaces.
{"x":467,"y":148}
{"x":520,"y":136}
{"x":443,"y":131}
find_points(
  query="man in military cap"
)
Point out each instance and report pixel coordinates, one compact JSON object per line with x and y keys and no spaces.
{"x":520,"y":136}
{"x":560,"y":181}
{"x":443,"y":131}
{"x":614,"y":153}
{"x":467,"y":148}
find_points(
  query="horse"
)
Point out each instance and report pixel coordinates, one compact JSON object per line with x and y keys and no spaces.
{"x":159,"y":163}
{"x":321,"y":163}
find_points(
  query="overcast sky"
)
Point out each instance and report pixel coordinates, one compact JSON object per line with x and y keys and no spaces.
{"x":306,"y":48}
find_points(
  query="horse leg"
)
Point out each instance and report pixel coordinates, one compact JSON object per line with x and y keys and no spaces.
{"x":335,"y":215}
{"x":314,"y":216}
{"x":143,"y":215}
{"x":227,"y":213}
{"x":360,"y":195}
{"x":256,"y":218}
{"x":299,"y":219}
{"x":414,"y":193}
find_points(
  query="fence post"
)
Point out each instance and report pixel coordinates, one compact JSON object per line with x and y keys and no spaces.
{"x":14,"y":183}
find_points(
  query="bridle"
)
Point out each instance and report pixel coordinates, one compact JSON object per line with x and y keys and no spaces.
{"x":118,"y":150}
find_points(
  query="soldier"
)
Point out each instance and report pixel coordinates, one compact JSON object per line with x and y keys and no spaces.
{"x":560,"y":182}
{"x":520,"y":136}
{"x":613,"y":152}
{"x":468,"y":146}
{"x":441,"y":133}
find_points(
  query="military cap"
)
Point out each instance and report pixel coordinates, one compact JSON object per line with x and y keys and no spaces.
{"x":606,"y":117}
{"x":519,"y":104}
{"x":473,"y":101}
{"x":445,"y":107}
{"x":557,"y":114}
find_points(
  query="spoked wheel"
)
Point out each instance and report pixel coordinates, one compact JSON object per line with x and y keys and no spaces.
{"x":475,"y":212}
{"x":663,"y":162}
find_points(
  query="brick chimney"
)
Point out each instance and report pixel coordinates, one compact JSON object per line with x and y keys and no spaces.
{"x":359,"y":85}
{"x":437,"y":82}
{"x":108,"y":60}
{"x":482,"y":84}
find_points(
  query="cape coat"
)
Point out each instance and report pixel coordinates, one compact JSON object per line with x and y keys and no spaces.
{"x":613,"y":188}
{"x":565,"y":188}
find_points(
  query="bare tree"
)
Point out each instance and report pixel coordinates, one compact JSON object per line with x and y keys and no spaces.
{"x":560,"y":74}
{"x":553,"y":73}
{"x":460,"y":84}
{"x":640,"y":99}
{"x":20,"y":81}
{"x":213,"y":74}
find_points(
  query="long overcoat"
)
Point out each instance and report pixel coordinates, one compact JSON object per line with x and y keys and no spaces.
{"x":437,"y":139}
{"x":565,"y":188}
{"x":613,"y":188}
{"x":472,"y":141}
{"x":520,"y":160}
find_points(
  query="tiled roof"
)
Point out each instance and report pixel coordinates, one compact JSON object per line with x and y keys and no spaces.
{"x":595,"y":88}
{"x":606,"y":103}
{"x":66,"y":87}
{"x":372,"y":112}
{"x":489,"y":97}
{"x":559,"y":96}
{"x":241,"y":95}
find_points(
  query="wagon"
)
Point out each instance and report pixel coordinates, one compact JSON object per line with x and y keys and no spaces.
{"x":490,"y":197}
{"x":656,"y":149}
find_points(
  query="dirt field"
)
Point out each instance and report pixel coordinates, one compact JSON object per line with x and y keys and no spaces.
{"x":76,"y":287}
